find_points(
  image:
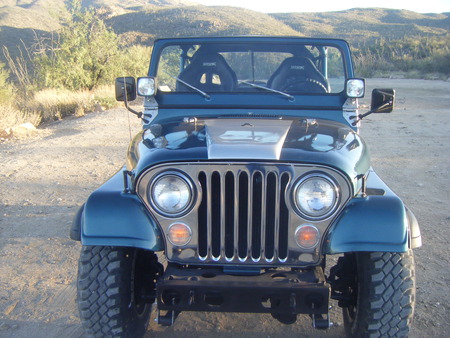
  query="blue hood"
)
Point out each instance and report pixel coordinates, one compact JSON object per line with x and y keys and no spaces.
{"x":300,"y":140}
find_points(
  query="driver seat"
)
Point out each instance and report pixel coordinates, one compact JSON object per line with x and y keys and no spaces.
{"x":298,"y":74}
{"x":208,"y":72}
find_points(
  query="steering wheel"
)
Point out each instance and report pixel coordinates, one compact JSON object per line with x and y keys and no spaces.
{"x":307,"y":85}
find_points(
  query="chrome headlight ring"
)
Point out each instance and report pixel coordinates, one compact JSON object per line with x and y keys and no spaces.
{"x":315,"y":196}
{"x":171,"y":193}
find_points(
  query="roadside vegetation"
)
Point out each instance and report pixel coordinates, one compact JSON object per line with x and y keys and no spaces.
{"x":409,"y":57}
{"x":70,"y":73}
{"x":71,"y":70}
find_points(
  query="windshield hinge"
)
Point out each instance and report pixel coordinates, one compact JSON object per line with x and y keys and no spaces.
{"x":126,"y":185}
{"x":150,"y":110}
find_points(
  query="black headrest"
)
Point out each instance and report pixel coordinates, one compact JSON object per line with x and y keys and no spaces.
{"x":296,"y":69}
{"x":208,"y":72}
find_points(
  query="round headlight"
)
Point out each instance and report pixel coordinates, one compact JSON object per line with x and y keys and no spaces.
{"x":171,"y":194}
{"x":315,"y":196}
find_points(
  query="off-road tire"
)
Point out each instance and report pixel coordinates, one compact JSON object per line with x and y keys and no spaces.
{"x":385,"y":290}
{"x":107,"y":301}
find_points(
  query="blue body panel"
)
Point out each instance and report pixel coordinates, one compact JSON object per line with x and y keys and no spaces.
{"x":114,"y":218}
{"x":375,"y":222}
{"x":325,"y":142}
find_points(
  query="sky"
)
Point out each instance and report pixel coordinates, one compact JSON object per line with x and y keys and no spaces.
{"x":286,"y":6}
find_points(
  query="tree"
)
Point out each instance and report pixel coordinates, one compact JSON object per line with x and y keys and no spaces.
{"x":84,"y":54}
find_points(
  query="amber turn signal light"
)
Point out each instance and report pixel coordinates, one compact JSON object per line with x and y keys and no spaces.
{"x":307,"y":236}
{"x":179,"y":234}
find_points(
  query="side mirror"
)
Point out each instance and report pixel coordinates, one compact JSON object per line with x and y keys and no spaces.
{"x":125,"y":89}
{"x":382,"y":100}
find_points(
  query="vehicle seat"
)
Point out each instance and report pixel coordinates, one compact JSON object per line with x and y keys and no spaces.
{"x":208,"y":72}
{"x":298,"y":74}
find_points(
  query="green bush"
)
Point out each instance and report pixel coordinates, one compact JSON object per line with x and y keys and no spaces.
{"x":134,"y":61}
{"x":84,"y":55}
{"x":6,"y":88}
{"x":413,"y":55}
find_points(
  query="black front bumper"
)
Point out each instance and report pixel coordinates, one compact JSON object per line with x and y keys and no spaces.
{"x":273,"y":291}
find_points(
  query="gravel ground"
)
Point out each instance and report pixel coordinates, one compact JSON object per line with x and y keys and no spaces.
{"x":47,"y":175}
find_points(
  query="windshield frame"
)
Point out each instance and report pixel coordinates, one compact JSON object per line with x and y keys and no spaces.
{"x":259,"y":98}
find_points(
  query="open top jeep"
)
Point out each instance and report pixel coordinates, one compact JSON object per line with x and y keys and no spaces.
{"x":248,"y":172}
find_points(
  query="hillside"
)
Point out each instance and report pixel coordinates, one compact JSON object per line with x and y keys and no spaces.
{"x":355,"y":25}
{"x":31,"y":14}
{"x":141,"y":21}
{"x":136,"y":4}
{"x":361,"y":25}
{"x":196,"y":21}
{"x":22,"y":20}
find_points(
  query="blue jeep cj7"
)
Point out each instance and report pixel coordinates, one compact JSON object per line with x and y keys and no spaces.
{"x":247,"y":176}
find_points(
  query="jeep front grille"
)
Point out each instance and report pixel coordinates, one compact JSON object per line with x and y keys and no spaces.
{"x":243,"y":215}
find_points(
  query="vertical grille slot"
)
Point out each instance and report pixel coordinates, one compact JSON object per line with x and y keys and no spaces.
{"x":243,"y":216}
{"x":271,"y":214}
{"x":229,"y":215}
{"x":257,"y":210}
{"x":216,"y":215}
{"x":284,"y":219}
{"x":203,"y":218}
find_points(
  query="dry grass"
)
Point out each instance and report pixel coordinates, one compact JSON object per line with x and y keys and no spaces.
{"x":10,"y":117}
{"x":105,"y":96}
{"x":54,"y":104}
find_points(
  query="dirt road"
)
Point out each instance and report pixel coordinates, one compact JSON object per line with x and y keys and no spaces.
{"x":45,"y":177}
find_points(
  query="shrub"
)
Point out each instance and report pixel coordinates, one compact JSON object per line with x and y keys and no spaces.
{"x":83,"y":56}
{"x":134,"y":61}
{"x":6,"y":88}
{"x":412,"y":55}
{"x":104,"y":96}
{"x":11,"y":116}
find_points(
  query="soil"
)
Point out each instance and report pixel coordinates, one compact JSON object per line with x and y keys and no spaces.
{"x":49,"y":174}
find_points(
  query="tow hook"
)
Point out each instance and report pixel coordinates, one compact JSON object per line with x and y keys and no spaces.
{"x":168,"y":319}
{"x":320,"y":322}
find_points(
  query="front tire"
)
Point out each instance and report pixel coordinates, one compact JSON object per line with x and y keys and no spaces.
{"x":383,"y":293}
{"x":113,"y":290}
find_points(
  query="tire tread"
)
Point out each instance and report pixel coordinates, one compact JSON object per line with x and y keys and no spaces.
{"x":392,"y":296}
{"x":100,"y":283}
{"x":386,"y":296}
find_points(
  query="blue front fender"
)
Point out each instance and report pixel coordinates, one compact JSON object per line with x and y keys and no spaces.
{"x":373,"y":223}
{"x":112,"y":217}
{"x":377,"y":222}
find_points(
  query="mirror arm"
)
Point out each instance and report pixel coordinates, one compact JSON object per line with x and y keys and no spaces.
{"x":361,"y":116}
{"x":138,"y":114}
